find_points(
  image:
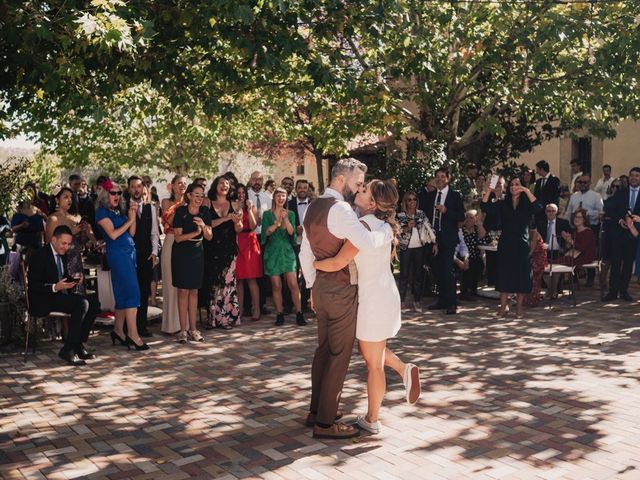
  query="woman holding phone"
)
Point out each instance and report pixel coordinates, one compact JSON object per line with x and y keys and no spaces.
{"x":514,"y":274}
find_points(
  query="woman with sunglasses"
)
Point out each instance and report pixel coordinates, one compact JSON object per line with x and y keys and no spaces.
{"x":118,"y":227}
{"x":410,"y":248}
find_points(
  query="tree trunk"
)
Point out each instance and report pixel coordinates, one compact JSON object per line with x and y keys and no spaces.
{"x":319,"y":158}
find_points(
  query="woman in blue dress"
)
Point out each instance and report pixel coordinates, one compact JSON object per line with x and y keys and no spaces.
{"x":119,"y":228}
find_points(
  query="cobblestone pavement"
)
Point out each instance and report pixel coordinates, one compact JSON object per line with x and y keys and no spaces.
{"x":552,"y":396}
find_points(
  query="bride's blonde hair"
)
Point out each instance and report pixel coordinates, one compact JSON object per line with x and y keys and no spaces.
{"x":385,"y":194}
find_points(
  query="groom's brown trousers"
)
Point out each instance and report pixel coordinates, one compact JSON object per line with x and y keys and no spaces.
{"x":336,"y":305}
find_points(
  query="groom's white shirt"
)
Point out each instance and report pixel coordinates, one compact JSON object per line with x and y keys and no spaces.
{"x":343,"y":223}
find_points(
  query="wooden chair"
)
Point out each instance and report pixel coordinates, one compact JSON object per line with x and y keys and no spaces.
{"x":31,"y":321}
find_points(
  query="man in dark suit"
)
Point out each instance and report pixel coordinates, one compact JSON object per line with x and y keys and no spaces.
{"x":551,"y":230}
{"x":298,"y":205}
{"x":445,"y":210}
{"x":547,"y":187}
{"x":625,"y":202}
{"x":49,"y":291}
{"x":147,"y":241}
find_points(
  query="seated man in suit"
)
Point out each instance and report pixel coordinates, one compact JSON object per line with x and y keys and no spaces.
{"x":551,"y":231}
{"x":50,"y":291}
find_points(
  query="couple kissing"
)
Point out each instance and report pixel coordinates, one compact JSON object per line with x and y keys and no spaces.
{"x":360,"y":301}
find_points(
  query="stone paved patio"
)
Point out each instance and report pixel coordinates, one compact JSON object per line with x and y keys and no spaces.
{"x":551,"y":396}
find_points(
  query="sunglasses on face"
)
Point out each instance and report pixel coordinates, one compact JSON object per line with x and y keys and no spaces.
{"x":114,"y":193}
{"x":412,"y":199}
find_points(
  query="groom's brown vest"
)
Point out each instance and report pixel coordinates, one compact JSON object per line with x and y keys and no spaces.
{"x":323,"y":243}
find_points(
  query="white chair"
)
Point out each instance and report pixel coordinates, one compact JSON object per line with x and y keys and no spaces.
{"x":558,"y":269}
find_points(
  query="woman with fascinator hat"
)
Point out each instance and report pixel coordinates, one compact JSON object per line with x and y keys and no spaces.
{"x":119,"y":226}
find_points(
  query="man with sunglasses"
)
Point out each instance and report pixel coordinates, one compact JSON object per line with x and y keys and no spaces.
{"x":590,"y":201}
{"x":587,"y":199}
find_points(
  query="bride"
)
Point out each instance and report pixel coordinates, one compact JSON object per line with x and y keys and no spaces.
{"x":378,"y":300}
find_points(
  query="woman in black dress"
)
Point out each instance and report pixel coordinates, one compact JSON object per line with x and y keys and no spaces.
{"x":191,"y":223}
{"x":514,"y":253}
{"x":224,"y":311}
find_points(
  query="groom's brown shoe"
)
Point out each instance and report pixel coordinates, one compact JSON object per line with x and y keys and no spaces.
{"x":336,"y":431}
{"x":311,"y":418}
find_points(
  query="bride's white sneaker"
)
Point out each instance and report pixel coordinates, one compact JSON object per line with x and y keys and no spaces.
{"x":411,"y":382}
{"x":371,"y":427}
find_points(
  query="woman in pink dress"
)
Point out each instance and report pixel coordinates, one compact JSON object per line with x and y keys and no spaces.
{"x":249,"y":262}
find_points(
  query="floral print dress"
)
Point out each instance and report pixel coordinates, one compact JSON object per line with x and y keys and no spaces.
{"x":224,"y":311}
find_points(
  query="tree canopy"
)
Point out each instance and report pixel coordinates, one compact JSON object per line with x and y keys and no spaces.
{"x":172,"y":82}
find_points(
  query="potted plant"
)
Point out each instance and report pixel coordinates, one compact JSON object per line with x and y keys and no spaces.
{"x":12,"y":304}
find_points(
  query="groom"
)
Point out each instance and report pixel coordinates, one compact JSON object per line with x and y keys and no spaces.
{"x":328,"y":223}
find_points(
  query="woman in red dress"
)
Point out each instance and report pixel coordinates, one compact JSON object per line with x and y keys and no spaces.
{"x":249,"y":261}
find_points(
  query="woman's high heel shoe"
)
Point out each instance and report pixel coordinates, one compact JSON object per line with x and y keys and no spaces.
{"x":130,"y":342}
{"x":115,"y":336}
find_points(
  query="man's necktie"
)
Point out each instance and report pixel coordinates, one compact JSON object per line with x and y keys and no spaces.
{"x":632,"y":200}
{"x":543,"y":182}
{"x":549,"y":234}
{"x":436,"y":212}
{"x":258,"y":205}
{"x":60,"y":267}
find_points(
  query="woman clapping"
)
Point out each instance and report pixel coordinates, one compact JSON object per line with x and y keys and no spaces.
{"x":278,"y":237}
{"x":191,"y":223}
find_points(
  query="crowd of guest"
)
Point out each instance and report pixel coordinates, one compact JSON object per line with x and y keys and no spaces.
{"x":219,"y":243}
{"x":227,"y":246}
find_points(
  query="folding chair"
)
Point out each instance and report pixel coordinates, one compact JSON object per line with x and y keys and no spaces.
{"x":31,"y":321}
{"x":558,"y":269}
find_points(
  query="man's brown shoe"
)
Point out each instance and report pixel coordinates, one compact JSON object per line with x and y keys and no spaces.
{"x":311,"y":418}
{"x":337,"y":431}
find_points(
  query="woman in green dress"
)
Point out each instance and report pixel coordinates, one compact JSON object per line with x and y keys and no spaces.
{"x":278,"y":238}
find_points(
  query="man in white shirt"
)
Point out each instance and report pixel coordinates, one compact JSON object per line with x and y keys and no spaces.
{"x":329,"y":222}
{"x":587,"y":199}
{"x":260,"y":198}
{"x":602,"y":187}
{"x":575,"y":173}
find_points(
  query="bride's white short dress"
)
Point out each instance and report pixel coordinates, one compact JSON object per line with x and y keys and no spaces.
{"x":378,"y":297}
